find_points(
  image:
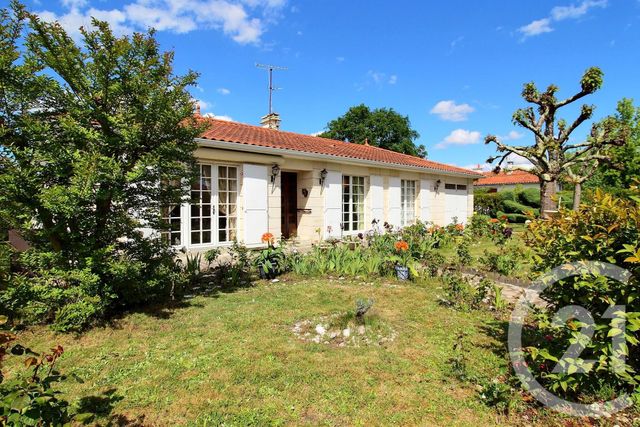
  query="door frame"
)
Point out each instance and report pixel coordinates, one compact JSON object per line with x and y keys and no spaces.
{"x":293,"y":194}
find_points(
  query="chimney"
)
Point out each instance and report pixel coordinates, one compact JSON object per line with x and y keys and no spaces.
{"x":478,"y":168}
{"x":509,"y":167}
{"x":271,"y":121}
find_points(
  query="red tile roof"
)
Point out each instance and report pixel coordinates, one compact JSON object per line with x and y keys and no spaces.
{"x":253,"y":135}
{"x":517,"y":176}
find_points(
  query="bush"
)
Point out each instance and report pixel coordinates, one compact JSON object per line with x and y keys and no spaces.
{"x":487,"y":203}
{"x":518,"y":208}
{"x":530,"y":197}
{"x":607,"y":230}
{"x":515,"y":218}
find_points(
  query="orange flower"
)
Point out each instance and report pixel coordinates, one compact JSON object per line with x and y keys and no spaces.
{"x":504,"y":218}
{"x":459,"y":227}
{"x":494,"y":220}
{"x":267,"y":238}
{"x":401,"y":246}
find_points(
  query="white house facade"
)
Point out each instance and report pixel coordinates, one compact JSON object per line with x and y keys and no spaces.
{"x":255,"y":180}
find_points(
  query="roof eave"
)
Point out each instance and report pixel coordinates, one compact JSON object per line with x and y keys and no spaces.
{"x":237,"y":146}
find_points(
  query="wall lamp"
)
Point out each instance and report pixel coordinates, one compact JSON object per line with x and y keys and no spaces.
{"x":305,"y":192}
{"x":437,"y":186}
{"x":275,"y":171}
{"x":323,"y":176}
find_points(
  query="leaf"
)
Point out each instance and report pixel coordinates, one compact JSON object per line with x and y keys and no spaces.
{"x":614,"y":332}
{"x":572,"y":369}
{"x":30,"y":361}
{"x":3,"y":319}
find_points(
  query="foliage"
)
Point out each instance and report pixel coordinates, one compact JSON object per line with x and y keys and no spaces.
{"x":518,"y":208}
{"x":625,"y":159}
{"x":479,"y":225}
{"x":463,"y":250}
{"x":30,"y":398}
{"x":517,"y":204}
{"x":552,"y":154}
{"x":88,"y":131}
{"x":459,"y":360}
{"x":381,"y":127}
{"x":608,"y":230}
{"x":502,"y":262}
{"x":497,"y":394}
{"x":461,"y":294}
{"x":271,"y":260}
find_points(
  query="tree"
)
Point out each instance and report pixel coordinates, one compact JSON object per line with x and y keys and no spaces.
{"x":382,"y":127}
{"x":88,"y":133}
{"x":624,"y":169}
{"x":552,"y":153}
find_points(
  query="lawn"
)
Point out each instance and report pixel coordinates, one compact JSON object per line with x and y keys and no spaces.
{"x":232,"y":358}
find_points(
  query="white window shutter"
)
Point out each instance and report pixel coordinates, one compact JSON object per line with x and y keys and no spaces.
{"x":394,"y":202}
{"x":376,"y":197}
{"x":332,"y":192}
{"x":426,"y":200}
{"x":255,"y":190}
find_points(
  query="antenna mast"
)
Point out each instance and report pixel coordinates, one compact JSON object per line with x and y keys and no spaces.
{"x":271,"y":88}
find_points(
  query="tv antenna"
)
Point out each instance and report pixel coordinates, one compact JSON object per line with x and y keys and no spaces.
{"x":271,"y":88}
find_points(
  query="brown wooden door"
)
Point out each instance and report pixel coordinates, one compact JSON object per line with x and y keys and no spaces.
{"x":289,"y":203}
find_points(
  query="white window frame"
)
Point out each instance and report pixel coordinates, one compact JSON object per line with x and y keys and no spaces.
{"x":408,"y":204}
{"x":185,"y":210}
{"x":351,"y":204}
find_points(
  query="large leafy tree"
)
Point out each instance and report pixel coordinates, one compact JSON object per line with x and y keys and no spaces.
{"x":623,"y":170}
{"x":381,"y":127}
{"x":88,"y":133}
{"x":553,"y":153}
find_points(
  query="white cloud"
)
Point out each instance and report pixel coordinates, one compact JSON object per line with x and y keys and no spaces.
{"x":224,"y":91}
{"x":393,"y":79}
{"x":340,"y":58}
{"x":512,"y":135}
{"x":536,"y":27}
{"x":450,"y":111}
{"x":559,"y":13}
{"x":242,"y":20}
{"x":223,"y":118}
{"x":460,"y":137}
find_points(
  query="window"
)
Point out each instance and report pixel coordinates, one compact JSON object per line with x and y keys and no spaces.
{"x":407,"y":202}
{"x":449,"y":186}
{"x":171,"y":217}
{"x":461,"y":187}
{"x":227,"y":203}
{"x":352,"y":203}
{"x":213,"y":209}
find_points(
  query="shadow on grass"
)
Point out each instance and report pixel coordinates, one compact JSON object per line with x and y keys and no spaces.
{"x":208,"y":286}
{"x":101,"y":407}
{"x":498,"y":330}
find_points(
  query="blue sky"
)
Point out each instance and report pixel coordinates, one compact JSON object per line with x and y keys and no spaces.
{"x":456,"y":68}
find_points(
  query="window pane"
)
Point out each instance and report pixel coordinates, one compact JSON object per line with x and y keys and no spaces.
{"x":206,"y":237}
{"x":206,"y":197}
{"x":206,"y":223}
{"x":195,"y":237}
{"x":195,"y":224}
{"x":232,"y":172}
{"x":222,"y":172}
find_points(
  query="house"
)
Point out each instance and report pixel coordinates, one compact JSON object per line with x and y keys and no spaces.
{"x":258,"y":179}
{"x":507,"y":180}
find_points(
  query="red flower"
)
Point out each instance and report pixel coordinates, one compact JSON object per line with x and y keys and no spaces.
{"x":267,"y":238}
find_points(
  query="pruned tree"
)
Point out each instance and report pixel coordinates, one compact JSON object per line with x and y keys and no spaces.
{"x":553,"y":153}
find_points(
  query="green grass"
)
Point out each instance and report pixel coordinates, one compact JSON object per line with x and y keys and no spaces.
{"x":233,"y":358}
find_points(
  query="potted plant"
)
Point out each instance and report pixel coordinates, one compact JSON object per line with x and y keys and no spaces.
{"x":402,"y":259}
{"x":271,"y":259}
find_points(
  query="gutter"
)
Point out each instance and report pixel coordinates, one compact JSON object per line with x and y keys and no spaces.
{"x":235,"y":146}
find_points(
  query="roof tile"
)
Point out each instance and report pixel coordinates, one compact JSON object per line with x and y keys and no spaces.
{"x":253,"y":135}
{"x":517,"y":176}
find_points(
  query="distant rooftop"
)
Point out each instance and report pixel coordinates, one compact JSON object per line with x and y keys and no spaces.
{"x":514,"y":176}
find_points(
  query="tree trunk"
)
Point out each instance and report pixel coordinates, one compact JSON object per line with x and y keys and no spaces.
{"x":577,"y":193}
{"x":547,"y":194}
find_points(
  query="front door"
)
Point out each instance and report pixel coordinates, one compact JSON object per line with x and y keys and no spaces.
{"x":289,"y":203}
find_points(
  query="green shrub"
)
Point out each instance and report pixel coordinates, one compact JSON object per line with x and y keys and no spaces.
{"x":607,"y":230}
{"x":461,"y":294}
{"x":487,"y":203}
{"x":503,"y":263}
{"x":518,"y":208}
{"x":530,"y":197}
{"x":515,"y":218}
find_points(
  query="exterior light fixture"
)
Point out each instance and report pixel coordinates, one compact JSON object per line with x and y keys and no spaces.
{"x":323,"y":176}
{"x":275,"y":171}
{"x":437,"y":186}
{"x":305,"y":192}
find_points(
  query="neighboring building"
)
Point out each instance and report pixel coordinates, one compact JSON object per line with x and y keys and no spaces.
{"x":507,"y":180}
{"x":260,"y":179}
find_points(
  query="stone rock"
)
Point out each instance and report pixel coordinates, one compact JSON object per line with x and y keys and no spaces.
{"x":361,"y":330}
{"x":333,"y":334}
{"x":320,"y":330}
{"x":346,"y":332}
